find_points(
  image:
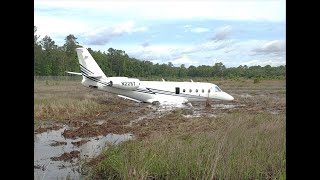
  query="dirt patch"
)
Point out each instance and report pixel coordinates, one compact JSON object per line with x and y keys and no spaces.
{"x":58,"y":143}
{"x":66,"y":156}
{"x":92,"y":130}
{"x":79,"y":143}
{"x":37,"y":167}
{"x":41,"y":129}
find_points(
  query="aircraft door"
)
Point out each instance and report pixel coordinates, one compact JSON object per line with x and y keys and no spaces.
{"x":177,"y":90}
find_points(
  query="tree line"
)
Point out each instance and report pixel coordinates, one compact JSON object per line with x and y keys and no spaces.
{"x":53,"y":60}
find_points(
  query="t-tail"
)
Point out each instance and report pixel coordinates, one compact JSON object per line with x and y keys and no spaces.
{"x":88,"y":66}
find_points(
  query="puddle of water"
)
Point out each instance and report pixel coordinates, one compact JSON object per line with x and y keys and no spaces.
{"x":43,"y":151}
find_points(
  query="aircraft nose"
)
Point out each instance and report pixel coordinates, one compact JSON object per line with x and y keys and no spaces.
{"x":228,"y":97}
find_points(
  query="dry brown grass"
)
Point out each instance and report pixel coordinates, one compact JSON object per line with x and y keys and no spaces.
{"x":68,"y":100}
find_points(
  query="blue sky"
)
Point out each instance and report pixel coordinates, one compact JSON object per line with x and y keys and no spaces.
{"x":234,"y":32}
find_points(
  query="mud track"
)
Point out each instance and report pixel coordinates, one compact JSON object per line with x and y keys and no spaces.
{"x":142,"y":119}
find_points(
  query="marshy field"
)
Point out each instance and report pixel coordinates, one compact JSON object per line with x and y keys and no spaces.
{"x":80,"y":133}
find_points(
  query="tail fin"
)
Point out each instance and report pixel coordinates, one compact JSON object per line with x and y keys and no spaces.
{"x":88,"y":66}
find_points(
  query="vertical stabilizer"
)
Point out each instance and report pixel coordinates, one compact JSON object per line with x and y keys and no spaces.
{"x":88,"y":65}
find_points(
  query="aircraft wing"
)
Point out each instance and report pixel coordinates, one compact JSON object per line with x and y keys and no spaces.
{"x":80,"y":74}
{"x":125,"y":97}
{"x":95,"y":76}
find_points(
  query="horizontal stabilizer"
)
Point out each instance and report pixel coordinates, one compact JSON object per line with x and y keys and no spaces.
{"x":125,"y":97}
{"x":95,"y":76}
{"x":75,"y":73}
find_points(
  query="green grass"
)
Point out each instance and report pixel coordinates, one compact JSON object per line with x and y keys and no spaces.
{"x":235,"y":146}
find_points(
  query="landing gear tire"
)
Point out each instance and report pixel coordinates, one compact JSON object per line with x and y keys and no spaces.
{"x":189,"y":104}
{"x":157,"y":103}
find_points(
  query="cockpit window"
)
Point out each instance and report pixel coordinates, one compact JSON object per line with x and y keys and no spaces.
{"x":217,"y":89}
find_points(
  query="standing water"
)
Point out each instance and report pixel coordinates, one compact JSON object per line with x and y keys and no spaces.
{"x":56,"y":157}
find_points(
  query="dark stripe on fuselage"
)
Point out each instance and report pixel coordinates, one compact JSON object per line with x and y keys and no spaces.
{"x":84,"y":70}
{"x":144,"y":91}
{"x":94,"y":79}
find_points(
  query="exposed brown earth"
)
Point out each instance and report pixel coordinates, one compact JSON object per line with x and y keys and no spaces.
{"x":79,"y":143}
{"x":58,"y":143}
{"x":44,"y":129}
{"x":66,"y":156}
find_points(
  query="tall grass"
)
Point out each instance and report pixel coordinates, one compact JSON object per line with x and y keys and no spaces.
{"x":235,"y":146}
{"x":65,"y":100}
{"x":64,"y":108}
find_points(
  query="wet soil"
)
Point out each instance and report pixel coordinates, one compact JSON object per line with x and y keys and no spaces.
{"x":67,"y":156}
{"x":58,"y":143}
{"x":79,"y":143}
{"x":141,"y":119}
{"x":45,"y":129}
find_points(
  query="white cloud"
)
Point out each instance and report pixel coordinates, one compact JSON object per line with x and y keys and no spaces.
{"x":188,"y":28}
{"x":184,"y":60}
{"x":49,"y":25}
{"x":275,"y":47}
{"x":102,"y":36}
{"x":207,"y":53}
{"x":263,"y":62}
{"x":220,"y":10}
{"x":222,"y":33}
{"x":145,"y":44}
{"x":200,"y":30}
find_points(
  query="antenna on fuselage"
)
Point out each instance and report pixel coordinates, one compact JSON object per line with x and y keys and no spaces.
{"x":191,"y":80}
{"x":163,"y":80}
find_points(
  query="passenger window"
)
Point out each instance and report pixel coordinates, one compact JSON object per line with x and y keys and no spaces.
{"x":208,"y":90}
{"x":184,"y":90}
{"x":190,"y":90}
{"x":202,"y":90}
{"x":196,"y":90}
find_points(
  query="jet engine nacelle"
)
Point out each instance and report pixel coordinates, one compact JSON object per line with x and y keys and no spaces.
{"x":124,"y":83}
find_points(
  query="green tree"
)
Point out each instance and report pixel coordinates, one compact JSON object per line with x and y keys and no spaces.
{"x":69,"y":47}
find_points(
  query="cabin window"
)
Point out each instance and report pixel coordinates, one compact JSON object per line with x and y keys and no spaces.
{"x":196,"y":90}
{"x":202,"y":90}
{"x":184,"y":90}
{"x":208,"y":90}
{"x":177,"y":90}
{"x":190,"y":90}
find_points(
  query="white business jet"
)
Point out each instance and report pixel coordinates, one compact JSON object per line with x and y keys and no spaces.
{"x":155,"y":92}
